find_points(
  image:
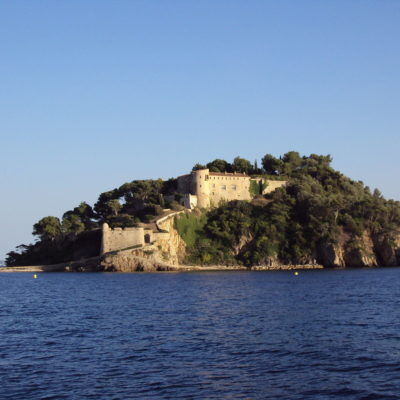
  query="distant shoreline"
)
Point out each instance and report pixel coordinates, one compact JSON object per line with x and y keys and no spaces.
{"x":66,"y":267}
{"x":177,"y":268}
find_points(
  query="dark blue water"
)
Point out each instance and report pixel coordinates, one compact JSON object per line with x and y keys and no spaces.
{"x":239,"y":335}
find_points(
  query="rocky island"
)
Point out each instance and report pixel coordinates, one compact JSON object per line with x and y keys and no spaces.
{"x":292,"y":212}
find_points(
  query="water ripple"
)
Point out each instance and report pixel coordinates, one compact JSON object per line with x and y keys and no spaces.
{"x":323,"y":335}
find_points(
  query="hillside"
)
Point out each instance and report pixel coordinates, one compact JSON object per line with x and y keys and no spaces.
{"x":321,"y":216}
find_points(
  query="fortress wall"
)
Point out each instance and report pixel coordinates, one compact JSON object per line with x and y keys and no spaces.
{"x":273,"y":185}
{"x":229,"y":187}
{"x":160,"y":223}
{"x":148,"y":236}
{"x":204,"y":188}
{"x":118,"y":238}
{"x":189,"y":201}
{"x":185,"y":183}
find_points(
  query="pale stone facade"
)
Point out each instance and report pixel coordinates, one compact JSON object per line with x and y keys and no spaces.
{"x":189,"y":200}
{"x":210,"y":188}
{"x":121,"y":238}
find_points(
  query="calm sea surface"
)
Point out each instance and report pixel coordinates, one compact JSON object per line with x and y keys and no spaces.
{"x":228,"y":335}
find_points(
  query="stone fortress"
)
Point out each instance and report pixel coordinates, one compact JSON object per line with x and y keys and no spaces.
{"x":202,"y":189}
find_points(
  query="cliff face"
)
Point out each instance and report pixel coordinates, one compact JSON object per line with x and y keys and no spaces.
{"x":331,"y":255}
{"x":387,"y":249}
{"x":170,"y":246}
{"x":367,"y":251}
{"x":360,"y":252}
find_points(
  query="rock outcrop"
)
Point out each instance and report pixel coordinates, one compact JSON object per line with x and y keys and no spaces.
{"x":360,"y":252}
{"x":365,"y":251}
{"x":170,"y":246}
{"x":331,"y":255}
{"x":387,"y":249}
{"x":122,"y":262}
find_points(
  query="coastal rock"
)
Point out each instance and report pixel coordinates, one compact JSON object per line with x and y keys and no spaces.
{"x":356,"y":252}
{"x":286,"y":267}
{"x":331,"y":255}
{"x":170,"y":246}
{"x":397,"y":249}
{"x":129,"y":263}
{"x":387,"y":249}
{"x":360,"y":252}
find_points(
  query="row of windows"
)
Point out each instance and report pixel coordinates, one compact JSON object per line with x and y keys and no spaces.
{"x":207,"y":177}
{"x":227,"y":177}
{"x":213,"y":193}
{"x":223,"y":187}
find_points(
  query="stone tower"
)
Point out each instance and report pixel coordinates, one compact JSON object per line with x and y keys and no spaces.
{"x":202,"y":187}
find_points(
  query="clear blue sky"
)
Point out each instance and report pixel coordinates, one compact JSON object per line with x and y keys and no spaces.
{"x":97,"y":93}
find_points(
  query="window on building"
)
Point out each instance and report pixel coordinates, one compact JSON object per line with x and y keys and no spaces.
{"x":206,"y":178}
{"x":233,"y":187}
{"x":223,"y":187}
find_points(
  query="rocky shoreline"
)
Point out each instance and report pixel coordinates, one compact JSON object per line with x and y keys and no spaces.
{"x":138,"y":264}
{"x":139,"y":260}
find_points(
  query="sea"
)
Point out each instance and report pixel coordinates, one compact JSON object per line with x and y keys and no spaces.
{"x":321,"y":334}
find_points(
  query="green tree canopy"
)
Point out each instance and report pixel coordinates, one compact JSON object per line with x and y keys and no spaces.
{"x":241,"y":165}
{"x":48,"y":228}
{"x":272,"y":165}
{"x":219,"y":165}
{"x":198,"y":166}
{"x":114,"y":206}
{"x":72,"y":223}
